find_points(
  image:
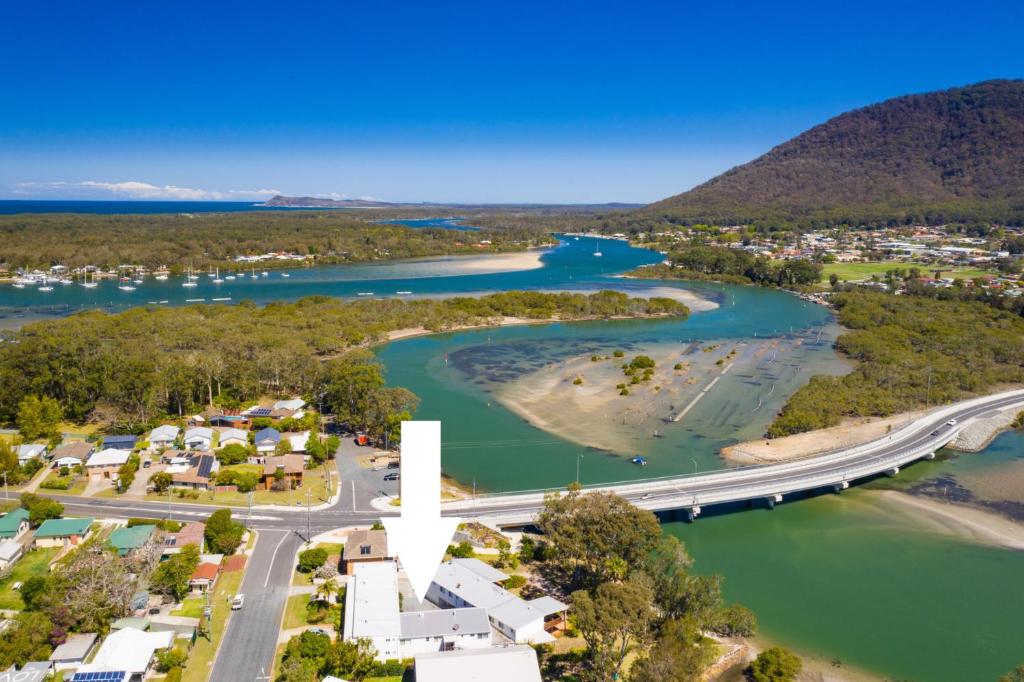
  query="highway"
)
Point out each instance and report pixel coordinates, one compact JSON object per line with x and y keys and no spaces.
{"x":247,"y":650}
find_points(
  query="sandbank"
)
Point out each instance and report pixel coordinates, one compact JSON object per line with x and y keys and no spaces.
{"x":960,"y":520}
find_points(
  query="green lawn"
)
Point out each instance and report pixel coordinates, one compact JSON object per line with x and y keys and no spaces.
{"x":35,"y":562}
{"x":313,"y":480}
{"x":295,"y":611}
{"x":192,"y":607}
{"x":849,"y":272}
{"x":200,"y":660}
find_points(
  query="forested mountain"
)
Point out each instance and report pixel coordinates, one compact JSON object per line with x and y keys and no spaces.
{"x":954,"y":155}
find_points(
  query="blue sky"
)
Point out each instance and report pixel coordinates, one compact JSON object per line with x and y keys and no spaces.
{"x":478,"y":102}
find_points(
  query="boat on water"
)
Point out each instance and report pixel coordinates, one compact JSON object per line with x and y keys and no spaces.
{"x":254,"y":275}
{"x":365,"y":293}
{"x":46,"y":288}
{"x":228,"y":298}
{"x":265,"y":274}
{"x":126,"y":287}
{"x":217,"y":279}
{"x":231,"y":277}
{"x":161,"y":277}
{"x":597,"y":252}
{"x":403,"y":293}
{"x":190,"y":279}
{"x":285,"y":274}
{"x":137,"y":281}
{"x":19,"y":285}
{"x":639,"y":461}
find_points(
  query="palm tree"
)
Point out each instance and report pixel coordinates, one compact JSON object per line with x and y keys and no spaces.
{"x":326,"y":590}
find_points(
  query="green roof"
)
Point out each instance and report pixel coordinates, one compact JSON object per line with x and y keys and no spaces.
{"x":125,"y":539}
{"x":59,"y":528}
{"x":129,"y":622}
{"x":11,"y":521}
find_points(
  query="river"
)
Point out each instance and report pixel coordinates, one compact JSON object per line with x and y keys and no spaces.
{"x":839,"y":576}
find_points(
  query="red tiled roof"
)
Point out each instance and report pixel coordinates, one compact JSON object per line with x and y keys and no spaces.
{"x":206,"y":572}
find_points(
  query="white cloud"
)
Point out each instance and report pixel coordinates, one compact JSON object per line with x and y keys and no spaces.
{"x":134,"y":189}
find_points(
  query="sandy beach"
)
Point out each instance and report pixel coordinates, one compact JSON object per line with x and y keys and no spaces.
{"x":499,"y":262}
{"x":960,"y":520}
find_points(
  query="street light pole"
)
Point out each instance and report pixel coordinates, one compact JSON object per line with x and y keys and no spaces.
{"x":308,"y":535}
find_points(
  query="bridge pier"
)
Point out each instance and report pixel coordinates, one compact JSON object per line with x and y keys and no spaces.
{"x":773,"y":500}
{"x":930,"y":456}
{"x":841,"y":486}
{"x":892,"y":472}
{"x":692,"y":513}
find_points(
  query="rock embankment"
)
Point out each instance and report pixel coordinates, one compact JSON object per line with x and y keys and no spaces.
{"x":977,"y":434}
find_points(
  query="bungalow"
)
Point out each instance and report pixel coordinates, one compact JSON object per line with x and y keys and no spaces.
{"x":198,"y":473}
{"x":127,"y":650}
{"x":62,"y":532}
{"x":294,"y":404}
{"x":105,"y":463}
{"x":163,"y":437}
{"x":73,"y":652}
{"x":119,"y":442}
{"x":267,"y":440}
{"x":10,"y":552}
{"x":72,"y":453}
{"x":191,"y":533}
{"x":30,"y":451}
{"x":466,"y":583}
{"x":14,"y":524}
{"x":204,"y":577}
{"x":291,"y":467}
{"x":199,"y":438}
{"x":233,"y":436}
{"x":297,"y":440}
{"x":127,"y":540}
{"x":237,"y":421}
{"x":364,"y":547}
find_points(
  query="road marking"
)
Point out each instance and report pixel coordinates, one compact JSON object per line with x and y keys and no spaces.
{"x":273,"y":556}
{"x":353,"y":494}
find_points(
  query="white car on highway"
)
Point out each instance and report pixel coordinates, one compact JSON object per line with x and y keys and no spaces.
{"x":237,"y":602}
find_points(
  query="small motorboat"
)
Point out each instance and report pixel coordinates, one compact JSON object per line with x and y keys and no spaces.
{"x":46,"y":288}
{"x":639,"y":461}
{"x":285,"y":274}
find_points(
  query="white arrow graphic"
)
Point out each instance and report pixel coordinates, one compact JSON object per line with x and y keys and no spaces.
{"x":420,"y":536}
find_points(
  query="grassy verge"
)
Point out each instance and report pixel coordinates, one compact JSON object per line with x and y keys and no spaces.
{"x":849,"y":272}
{"x":200,"y":661}
{"x":295,"y":611}
{"x":76,"y":484}
{"x":35,"y":562}
{"x":191,"y":608}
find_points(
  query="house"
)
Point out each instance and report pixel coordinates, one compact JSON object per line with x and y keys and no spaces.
{"x":10,"y":552}
{"x":127,"y":540}
{"x":105,"y":463}
{"x":30,"y":451}
{"x":72,"y":453}
{"x":128,"y":650}
{"x":294,"y":404}
{"x":199,"y":438}
{"x":62,"y":532}
{"x":204,"y":577}
{"x":371,"y":608}
{"x":73,"y":652}
{"x":496,"y":664}
{"x":237,"y":421}
{"x":14,"y":524}
{"x":365,"y":546}
{"x":198,"y":473}
{"x":163,"y":437}
{"x":233,"y":436}
{"x":290,"y":466}
{"x":119,"y":442}
{"x":297,"y":440}
{"x":443,"y":630}
{"x":190,"y":534}
{"x":266,"y":440}
{"x":464,"y":583}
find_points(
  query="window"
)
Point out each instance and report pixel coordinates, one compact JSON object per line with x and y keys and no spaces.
{"x":364,"y":550}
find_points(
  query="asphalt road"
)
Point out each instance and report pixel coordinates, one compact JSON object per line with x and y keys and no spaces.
{"x":248,"y":648}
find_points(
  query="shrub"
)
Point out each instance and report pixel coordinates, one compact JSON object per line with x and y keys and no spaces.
{"x":168,"y":659}
{"x":514,"y":582}
{"x":619,"y":354}
{"x":736,"y":621}
{"x":56,"y":484}
{"x":464,"y":550}
{"x":775,"y":665}
{"x":312,"y":559}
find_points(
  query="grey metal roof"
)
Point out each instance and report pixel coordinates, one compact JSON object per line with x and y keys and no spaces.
{"x":445,"y":623}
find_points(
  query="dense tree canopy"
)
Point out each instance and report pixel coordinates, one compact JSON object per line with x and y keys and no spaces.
{"x":911,"y":351}
{"x":699,"y":261}
{"x":142,"y":364}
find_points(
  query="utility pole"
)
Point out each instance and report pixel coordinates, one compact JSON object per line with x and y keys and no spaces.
{"x":250,"y":507}
{"x":928,"y":395}
{"x":6,"y":498}
{"x":308,"y":534}
{"x":168,"y":503}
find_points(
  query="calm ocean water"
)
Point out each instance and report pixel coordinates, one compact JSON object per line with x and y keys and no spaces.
{"x":15,"y":206}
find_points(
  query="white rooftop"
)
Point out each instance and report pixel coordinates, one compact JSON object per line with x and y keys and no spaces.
{"x":128,"y":649}
{"x":199,"y":432}
{"x":473,"y":588}
{"x":164,"y":432}
{"x":482,"y":569}
{"x":9,"y":549}
{"x":108,"y":457}
{"x":444,"y":623}
{"x":233,"y":433}
{"x":293,"y":404}
{"x":371,"y":601}
{"x":495,"y":664}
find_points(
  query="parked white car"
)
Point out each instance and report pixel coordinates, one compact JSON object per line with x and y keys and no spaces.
{"x":237,"y":602}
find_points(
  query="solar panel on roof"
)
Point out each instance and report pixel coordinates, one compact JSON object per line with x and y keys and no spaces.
{"x":205,"y":466}
{"x":260,"y":412}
